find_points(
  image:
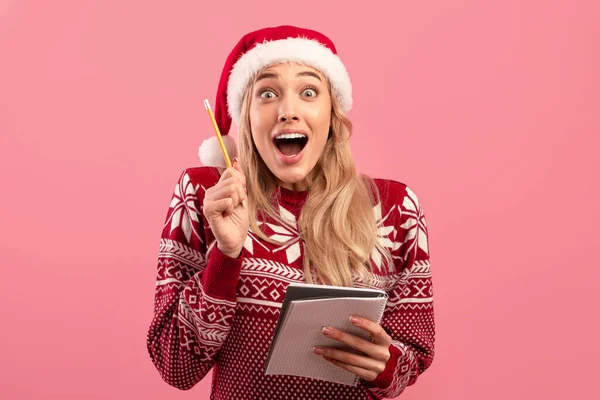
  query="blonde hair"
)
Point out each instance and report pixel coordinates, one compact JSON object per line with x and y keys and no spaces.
{"x":337,"y":222}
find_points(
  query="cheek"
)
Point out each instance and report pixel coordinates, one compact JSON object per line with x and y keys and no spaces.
{"x":321,"y":123}
{"x":260,"y":134}
{"x":320,"y":112}
{"x":261,"y":119}
{"x":256,"y":126}
{"x":254,"y":118}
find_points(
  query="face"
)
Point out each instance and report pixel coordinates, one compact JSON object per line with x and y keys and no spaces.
{"x":290,"y":115}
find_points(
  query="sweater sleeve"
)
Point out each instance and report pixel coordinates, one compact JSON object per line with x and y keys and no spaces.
{"x":408,"y":317}
{"x":195,"y":293}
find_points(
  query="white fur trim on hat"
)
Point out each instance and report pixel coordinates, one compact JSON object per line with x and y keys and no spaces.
{"x":306,"y":51}
{"x":210,"y":153}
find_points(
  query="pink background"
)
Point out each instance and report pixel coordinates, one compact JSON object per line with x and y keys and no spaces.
{"x":488,"y":110}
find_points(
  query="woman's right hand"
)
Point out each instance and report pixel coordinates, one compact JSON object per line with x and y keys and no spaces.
{"x":225,"y":212}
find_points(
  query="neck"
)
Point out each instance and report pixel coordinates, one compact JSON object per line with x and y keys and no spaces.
{"x":301,"y":186}
{"x":291,"y":196}
{"x":296,"y":187}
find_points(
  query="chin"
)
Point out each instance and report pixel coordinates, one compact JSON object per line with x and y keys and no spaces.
{"x":292,"y":178}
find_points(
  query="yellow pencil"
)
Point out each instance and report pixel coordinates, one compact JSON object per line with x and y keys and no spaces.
{"x":219,"y":137}
{"x":221,"y":143}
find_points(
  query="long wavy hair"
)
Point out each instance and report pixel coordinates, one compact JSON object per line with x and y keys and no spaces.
{"x":337,"y":222}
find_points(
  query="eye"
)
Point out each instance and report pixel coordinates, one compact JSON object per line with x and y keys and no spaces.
{"x":267,"y":94}
{"x":309,"y":92}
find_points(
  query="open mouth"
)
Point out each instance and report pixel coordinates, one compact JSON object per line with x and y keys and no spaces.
{"x":290,"y":144}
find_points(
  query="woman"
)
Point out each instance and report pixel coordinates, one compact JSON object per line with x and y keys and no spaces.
{"x":291,"y":209}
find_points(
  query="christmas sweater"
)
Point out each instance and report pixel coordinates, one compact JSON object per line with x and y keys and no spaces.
{"x":213,"y":311}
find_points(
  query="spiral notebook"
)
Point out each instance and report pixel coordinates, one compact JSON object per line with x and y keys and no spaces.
{"x":306,"y":309}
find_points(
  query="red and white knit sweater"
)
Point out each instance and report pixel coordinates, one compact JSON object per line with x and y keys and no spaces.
{"x":215,"y":311}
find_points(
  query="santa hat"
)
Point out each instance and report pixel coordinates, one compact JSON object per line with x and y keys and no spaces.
{"x":258,"y":50}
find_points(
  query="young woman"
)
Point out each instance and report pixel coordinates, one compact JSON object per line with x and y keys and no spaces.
{"x":291,"y":209}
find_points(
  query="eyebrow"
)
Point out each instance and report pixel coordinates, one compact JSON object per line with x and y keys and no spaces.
{"x":308,"y":73}
{"x":269,"y":75}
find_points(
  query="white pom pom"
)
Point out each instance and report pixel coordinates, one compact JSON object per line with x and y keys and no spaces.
{"x":210,"y":153}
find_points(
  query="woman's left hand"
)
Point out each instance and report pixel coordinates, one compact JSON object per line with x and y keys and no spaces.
{"x":376,"y":353}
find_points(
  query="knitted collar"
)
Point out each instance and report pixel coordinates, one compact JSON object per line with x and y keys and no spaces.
{"x":291,"y":197}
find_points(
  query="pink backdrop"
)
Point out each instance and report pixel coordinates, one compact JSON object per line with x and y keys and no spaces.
{"x":488,"y":110}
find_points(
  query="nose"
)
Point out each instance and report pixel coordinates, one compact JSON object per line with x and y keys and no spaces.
{"x":287,"y":111}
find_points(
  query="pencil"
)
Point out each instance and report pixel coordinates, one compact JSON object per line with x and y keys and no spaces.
{"x":220,"y":138}
{"x":218,"y":133}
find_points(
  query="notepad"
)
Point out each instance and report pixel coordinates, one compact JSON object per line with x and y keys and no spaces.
{"x":305,"y":311}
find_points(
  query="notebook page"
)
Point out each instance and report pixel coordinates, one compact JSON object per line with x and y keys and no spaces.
{"x":303,"y":329}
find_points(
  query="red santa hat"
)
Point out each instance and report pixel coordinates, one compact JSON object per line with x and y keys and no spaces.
{"x":258,"y":50}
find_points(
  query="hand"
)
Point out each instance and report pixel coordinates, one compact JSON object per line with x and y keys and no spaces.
{"x":376,"y":353}
{"x":225,"y":211}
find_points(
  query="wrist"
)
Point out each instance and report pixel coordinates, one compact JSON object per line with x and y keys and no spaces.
{"x":235,"y":253}
{"x":221,"y":275}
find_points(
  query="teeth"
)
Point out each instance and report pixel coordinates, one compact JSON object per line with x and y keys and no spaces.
{"x":290,"y":136}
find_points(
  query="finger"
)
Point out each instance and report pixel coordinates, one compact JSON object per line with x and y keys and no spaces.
{"x":377,"y":332}
{"x":235,"y":171}
{"x":234,"y":178}
{"x":373,"y":350}
{"x":365,"y":374}
{"x":241,"y":194}
{"x":230,"y":208}
{"x":240,"y":175}
{"x":229,"y":190}
{"x":237,"y":166}
{"x":215,"y":209}
{"x":356,"y":360}
{"x":231,"y":187}
{"x":219,"y":187}
{"x":224,"y":181}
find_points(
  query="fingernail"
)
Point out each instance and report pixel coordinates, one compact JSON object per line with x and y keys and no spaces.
{"x":318,"y":350}
{"x":354,"y":320}
{"x":327,"y":331}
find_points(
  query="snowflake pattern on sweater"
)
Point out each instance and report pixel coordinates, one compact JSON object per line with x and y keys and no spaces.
{"x":214,"y":311}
